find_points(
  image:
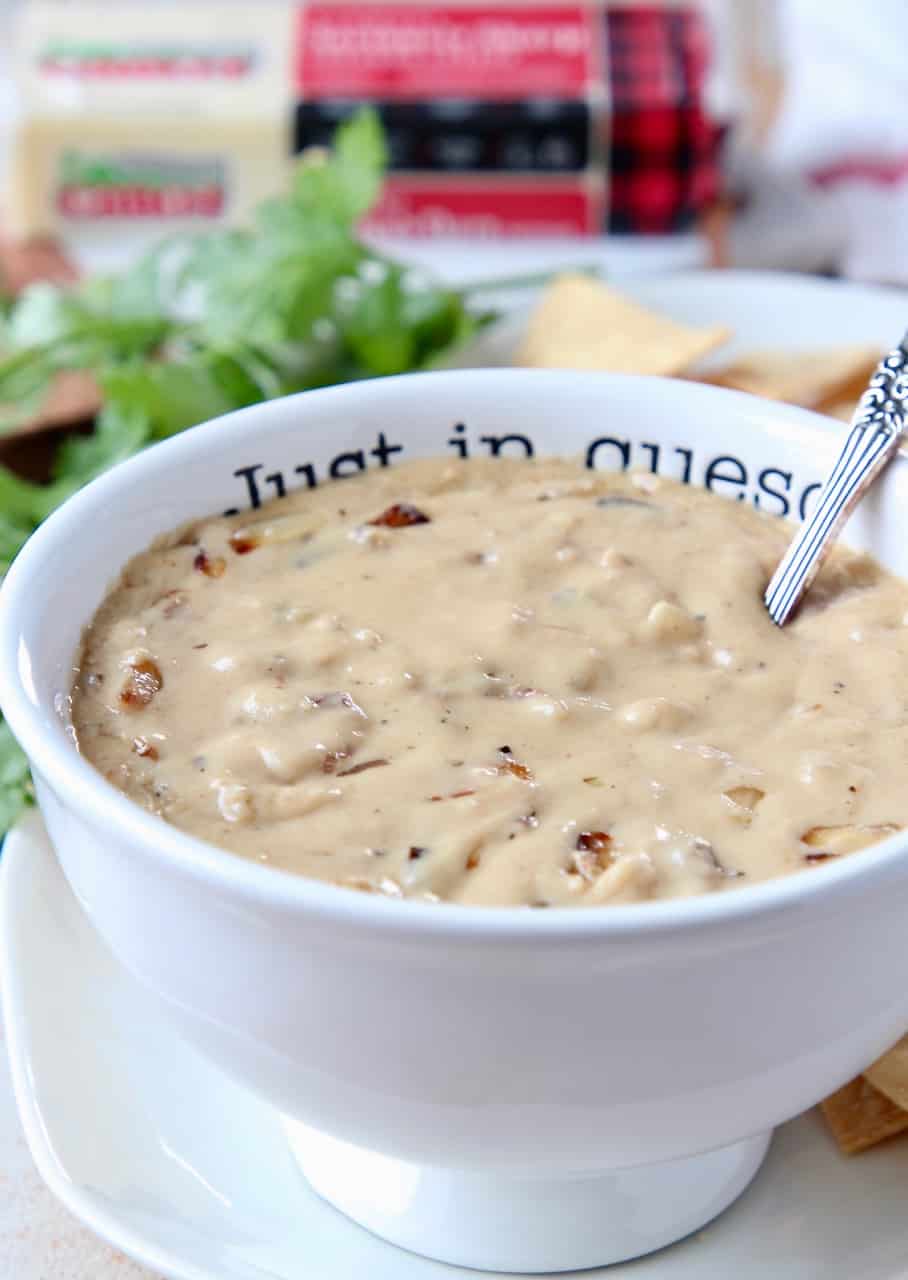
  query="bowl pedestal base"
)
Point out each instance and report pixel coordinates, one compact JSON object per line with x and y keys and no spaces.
{"x":499,"y":1222}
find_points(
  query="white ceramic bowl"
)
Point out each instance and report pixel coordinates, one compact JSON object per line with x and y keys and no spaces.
{"x":499,"y":1087}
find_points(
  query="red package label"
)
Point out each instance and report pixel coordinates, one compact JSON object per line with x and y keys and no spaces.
{"x":93,"y":60}
{"x":405,"y":51}
{"x":476,"y":209}
{"x":93,"y":203}
{"x":101,"y":185}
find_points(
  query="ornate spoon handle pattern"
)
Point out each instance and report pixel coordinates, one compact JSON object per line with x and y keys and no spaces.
{"x":873,"y":439}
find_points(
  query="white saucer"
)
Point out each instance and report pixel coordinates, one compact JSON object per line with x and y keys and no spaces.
{"x":171,"y":1162}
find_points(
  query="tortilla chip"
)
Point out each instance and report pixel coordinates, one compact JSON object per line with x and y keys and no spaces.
{"x":889,"y":1074}
{"x":582,"y":324}
{"x":806,"y":378}
{"x":860,"y":1116}
{"x":851,"y":391}
{"x":843,"y":410}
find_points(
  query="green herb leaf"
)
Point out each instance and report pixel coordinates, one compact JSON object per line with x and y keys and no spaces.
{"x":77,"y":330}
{"x":345,"y":184}
{"x":26,"y":378}
{"x":22,"y":502}
{"x":16,"y":791}
{"x":13,"y":536}
{"x":167,"y":398}
{"x":121,"y":430}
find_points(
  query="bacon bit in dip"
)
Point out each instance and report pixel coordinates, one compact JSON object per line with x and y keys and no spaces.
{"x":361,"y":768}
{"x":212,"y":567}
{"x":242,"y":542}
{"x":513,"y":767}
{"x":143,"y":681}
{"x":400,"y":516}
{"x":592,"y":854}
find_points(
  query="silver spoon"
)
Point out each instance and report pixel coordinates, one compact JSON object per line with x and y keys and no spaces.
{"x":876,"y":431}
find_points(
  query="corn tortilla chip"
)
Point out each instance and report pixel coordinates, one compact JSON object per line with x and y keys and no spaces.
{"x":582,"y":324}
{"x":852,"y":390}
{"x":843,"y":410}
{"x":860,"y":1116}
{"x":806,"y":378}
{"x":889,"y":1074}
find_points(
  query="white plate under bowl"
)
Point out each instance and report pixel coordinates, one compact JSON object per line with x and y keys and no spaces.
{"x":161,"y":1154}
{"x":761,"y":308}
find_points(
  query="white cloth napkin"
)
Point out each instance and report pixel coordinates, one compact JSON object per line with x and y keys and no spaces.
{"x":831,"y":188}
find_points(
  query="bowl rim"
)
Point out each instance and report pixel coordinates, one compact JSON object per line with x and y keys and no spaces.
{"x":100,"y":804}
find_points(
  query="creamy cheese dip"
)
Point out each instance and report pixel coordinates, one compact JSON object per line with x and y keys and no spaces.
{"x":502,"y":682}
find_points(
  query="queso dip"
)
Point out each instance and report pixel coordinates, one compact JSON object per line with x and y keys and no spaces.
{"x":502,"y":682}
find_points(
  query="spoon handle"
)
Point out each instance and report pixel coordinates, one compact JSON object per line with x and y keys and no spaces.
{"x":873,"y":439}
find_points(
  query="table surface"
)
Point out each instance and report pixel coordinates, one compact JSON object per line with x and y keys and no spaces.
{"x":39,"y":1239}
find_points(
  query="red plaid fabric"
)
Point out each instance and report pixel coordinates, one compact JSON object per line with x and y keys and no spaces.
{"x":663,"y":150}
{"x":600,"y":99}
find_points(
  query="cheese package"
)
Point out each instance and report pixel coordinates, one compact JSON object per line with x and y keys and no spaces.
{"x":540,"y":119}
{"x":192,"y":61}
{"x":491,"y":110}
{"x":78,"y":178}
{"x":137,"y":121}
{"x":544,"y":118}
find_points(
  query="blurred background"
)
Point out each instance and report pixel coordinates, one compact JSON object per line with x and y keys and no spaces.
{"x":635,"y":137}
{"x":767,"y":133}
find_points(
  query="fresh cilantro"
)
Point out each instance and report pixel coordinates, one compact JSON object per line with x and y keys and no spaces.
{"x":16,"y":791}
{"x":120,"y":431}
{"x":346,"y":184}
